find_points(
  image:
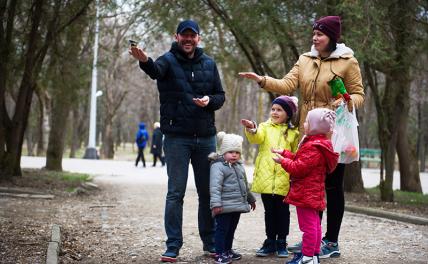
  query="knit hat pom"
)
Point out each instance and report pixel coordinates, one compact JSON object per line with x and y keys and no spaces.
{"x":220,"y":136}
{"x":295,"y":101}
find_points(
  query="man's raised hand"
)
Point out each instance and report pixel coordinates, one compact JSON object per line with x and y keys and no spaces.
{"x":138,"y":53}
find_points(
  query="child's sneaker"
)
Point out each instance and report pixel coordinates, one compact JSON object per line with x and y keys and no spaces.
{"x":267,"y":248}
{"x":233,"y":255}
{"x":329,"y":249}
{"x":222,"y":258}
{"x":281,"y":248}
{"x":299,"y":258}
{"x":170,"y":255}
{"x":296,"y":248}
{"x":317,"y":259}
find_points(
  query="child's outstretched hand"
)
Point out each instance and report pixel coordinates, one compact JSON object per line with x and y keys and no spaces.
{"x":247,"y":123}
{"x":277,"y":151}
{"x":217,"y":210}
{"x":253,"y":206}
{"x":278,"y":158}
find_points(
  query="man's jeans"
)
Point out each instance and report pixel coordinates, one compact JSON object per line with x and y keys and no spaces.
{"x":179,"y":151}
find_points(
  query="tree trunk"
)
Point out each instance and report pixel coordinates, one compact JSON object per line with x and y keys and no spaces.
{"x":388,"y":132}
{"x":388,"y":154}
{"x":75,"y":143}
{"x":409,"y":173}
{"x":30,"y":143}
{"x":353,"y":181}
{"x":60,"y":113}
{"x":107,"y":149}
{"x":43,"y":120}
{"x":422,"y":132}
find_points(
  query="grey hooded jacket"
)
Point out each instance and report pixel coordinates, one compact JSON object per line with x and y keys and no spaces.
{"x":229,"y":186}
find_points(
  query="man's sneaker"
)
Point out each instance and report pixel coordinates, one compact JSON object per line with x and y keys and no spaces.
{"x":329,"y":249}
{"x":267,"y":248}
{"x":222,"y":258}
{"x":170,"y":255}
{"x":296,"y":248}
{"x":209,"y":251}
{"x":233,"y":255}
{"x":281,"y":248}
{"x":300,"y":259}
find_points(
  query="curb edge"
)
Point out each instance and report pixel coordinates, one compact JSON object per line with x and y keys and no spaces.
{"x":388,"y":215}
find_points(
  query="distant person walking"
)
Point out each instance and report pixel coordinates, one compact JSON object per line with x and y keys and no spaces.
{"x":190,"y":91}
{"x":141,"y":140}
{"x":157,"y":142}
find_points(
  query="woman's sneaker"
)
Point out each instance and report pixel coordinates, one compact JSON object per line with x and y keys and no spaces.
{"x":296,"y":248}
{"x":268,"y":248}
{"x":329,"y":249}
{"x":281,"y":248}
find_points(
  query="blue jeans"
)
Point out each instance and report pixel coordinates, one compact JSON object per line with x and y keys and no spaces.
{"x":225,"y":230}
{"x":179,"y":150}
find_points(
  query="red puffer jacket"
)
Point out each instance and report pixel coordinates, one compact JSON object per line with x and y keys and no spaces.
{"x":308,"y":168}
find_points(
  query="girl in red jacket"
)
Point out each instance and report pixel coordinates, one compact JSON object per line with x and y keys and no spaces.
{"x":313,"y":160}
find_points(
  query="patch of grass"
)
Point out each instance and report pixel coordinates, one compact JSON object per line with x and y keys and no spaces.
{"x":50,"y":181}
{"x":65,"y":176}
{"x":70,"y":189}
{"x":403,"y":197}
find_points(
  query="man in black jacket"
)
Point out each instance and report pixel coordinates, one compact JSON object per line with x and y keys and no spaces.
{"x":189,"y":92}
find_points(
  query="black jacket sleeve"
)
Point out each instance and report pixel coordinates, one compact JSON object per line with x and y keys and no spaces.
{"x":155,"y":69}
{"x":217,"y":98}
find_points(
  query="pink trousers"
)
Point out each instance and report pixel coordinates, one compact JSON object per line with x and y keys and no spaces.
{"x":309,"y":224}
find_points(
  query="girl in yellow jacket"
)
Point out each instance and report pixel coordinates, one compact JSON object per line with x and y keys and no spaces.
{"x":270,"y":180}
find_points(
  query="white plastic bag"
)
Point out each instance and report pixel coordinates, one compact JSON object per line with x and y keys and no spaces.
{"x":345,"y":135}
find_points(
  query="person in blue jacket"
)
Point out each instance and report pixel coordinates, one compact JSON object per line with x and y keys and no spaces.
{"x":141,"y":140}
{"x":190,"y":91}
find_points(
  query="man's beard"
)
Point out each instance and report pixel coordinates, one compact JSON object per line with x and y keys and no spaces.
{"x":183,"y":43}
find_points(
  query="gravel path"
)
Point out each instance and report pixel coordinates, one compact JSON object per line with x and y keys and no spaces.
{"x":123,"y":223}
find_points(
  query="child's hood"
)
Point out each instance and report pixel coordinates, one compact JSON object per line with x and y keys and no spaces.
{"x":326,"y":148}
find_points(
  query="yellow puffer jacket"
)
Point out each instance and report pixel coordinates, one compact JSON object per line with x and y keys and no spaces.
{"x":311,"y":75}
{"x":270,"y":177}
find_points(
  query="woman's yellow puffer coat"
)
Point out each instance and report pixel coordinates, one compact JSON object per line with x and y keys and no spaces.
{"x":270,"y":177}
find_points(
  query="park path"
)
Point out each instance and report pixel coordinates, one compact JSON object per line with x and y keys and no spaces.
{"x":123,"y":223}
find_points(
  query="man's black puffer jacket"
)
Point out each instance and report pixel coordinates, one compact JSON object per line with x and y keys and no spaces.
{"x":179,"y":80}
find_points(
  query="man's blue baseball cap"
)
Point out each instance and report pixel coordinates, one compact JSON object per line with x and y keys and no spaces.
{"x":188,"y":24}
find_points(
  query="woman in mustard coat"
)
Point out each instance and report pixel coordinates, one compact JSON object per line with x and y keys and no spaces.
{"x":326,"y":61}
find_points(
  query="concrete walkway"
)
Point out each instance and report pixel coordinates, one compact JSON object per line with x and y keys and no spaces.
{"x":127,"y":171}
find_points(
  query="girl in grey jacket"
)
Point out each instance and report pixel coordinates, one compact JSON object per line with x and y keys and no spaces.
{"x":230,"y":195}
